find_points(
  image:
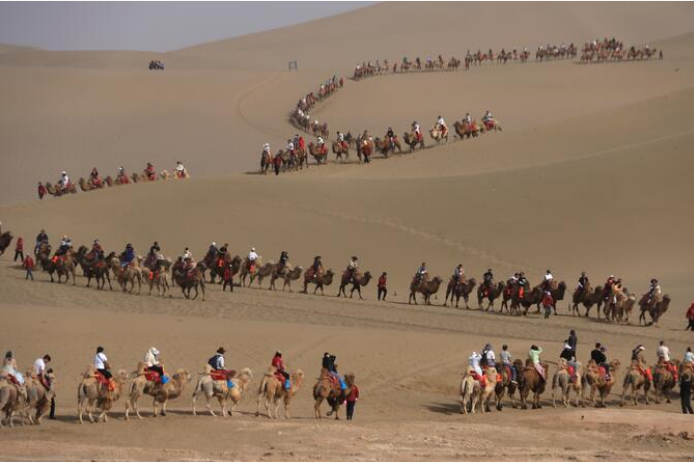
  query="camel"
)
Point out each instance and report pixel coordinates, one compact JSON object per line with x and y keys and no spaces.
{"x":655,"y":309}
{"x":39,"y":397}
{"x":622,"y":309}
{"x":88,"y":185}
{"x":358,"y":281}
{"x":160,"y":392}
{"x":529,"y":380}
{"x":426,"y":288}
{"x":93,"y":394}
{"x":505,"y":384}
{"x":127,"y":274}
{"x":484,"y":292}
{"x":486,"y":392}
{"x":220,"y":267}
{"x":287,"y":277}
{"x":491,"y":125}
{"x":469,"y":392}
{"x":190,"y":279}
{"x":339,"y":150}
{"x":12,"y":401}
{"x":320,"y":281}
{"x":5,"y":240}
{"x":587,"y":297}
{"x":210,"y":386}
{"x":664,"y":380}
{"x":385,"y":147}
{"x":327,"y":388}
{"x":594,"y":380}
{"x":412,"y":141}
{"x":566,"y":383}
{"x":273,"y":391}
{"x":62,"y":266}
{"x":160,"y":277}
{"x":95,"y":267}
{"x":465,"y":130}
{"x":319,"y":154}
{"x":438,"y":134}
{"x":260,"y":273}
{"x":557,"y":289}
{"x":462,"y":289}
{"x":265,"y":162}
{"x":58,"y":190}
{"x":634,"y":380}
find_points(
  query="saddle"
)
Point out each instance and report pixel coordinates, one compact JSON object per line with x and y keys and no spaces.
{"x":152,"y":376}
{"x":108,"y":384}
{"x":220,"y":262}
{"x":222,"y":375}
{"x":482,"y":379}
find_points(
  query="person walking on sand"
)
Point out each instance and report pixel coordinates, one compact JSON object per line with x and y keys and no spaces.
{"x":352,"y":399}
{"x":29,"y":266}
{"x":19,"y":250}
{"x":382,"y":283}
{"x":690,"y":317}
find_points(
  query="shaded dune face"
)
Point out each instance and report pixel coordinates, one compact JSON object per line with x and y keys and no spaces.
{"x":590,"y":173}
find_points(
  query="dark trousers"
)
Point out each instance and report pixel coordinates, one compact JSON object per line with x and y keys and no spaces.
{"x":18,"y":254}
{"x":686,"y":397}
{"x":157,"y":369}
{"x":382,"y":291}
{"x":350,"y":409}
{"x":277,"y":169}
{"x":106,"y":373}
{"x":230,"y":284}
{"x":52,"y":413}
{"x":30,"y":274}
{"x":691,"y":325}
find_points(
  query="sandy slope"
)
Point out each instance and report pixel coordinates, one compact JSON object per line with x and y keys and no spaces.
{"x":591,"y":172}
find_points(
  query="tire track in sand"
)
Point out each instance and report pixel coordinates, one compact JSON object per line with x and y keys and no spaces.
{"x":250,"y":92}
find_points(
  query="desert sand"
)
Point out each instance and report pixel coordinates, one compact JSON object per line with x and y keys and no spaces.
{"x":590,"y":173}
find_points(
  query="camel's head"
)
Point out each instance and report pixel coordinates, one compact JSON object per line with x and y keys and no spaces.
{"x":298,"y":377}
{"x":245,"y":377}
{"x":182,"y":376}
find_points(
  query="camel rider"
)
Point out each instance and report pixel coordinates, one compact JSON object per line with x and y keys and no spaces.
{"x":568,"y":354}
{"x":181,"y":171}
{"x":150,"y":172}
{"x":487,"y":117}
{"x":608,"y":286}
{"x":96,"y":180}
{"x":488,"y":356}
{"x":663,"y":352}
{"x":65,"y":244}
{"x":64,"y":180}
{"x":266,"y":148}
{"x":282,"y":263}
{"x":317,"y":267}
{"x":688,"y":358}
{"x":468,"y":118}
{"x":547,"y":281}
{"x":222,"y":252}
{"x":320,"y":142}
{"x":352,"y":268}
{"x":534,"y":355}
{"x":41,"y":238}
{"x":441,"y":124}
{"x":128,"y":256}
{"x":153,"y":364}
{"x":328,"y":363}
{"x":290,"y":148}
{"x":522,"y":282}
{"x":390,"y":136}
{"x":512,"y":280}
{"x":97,"y":251}
{"x":488,"y":279}
{"x":153,"y":252}
{"x":654,"y":291}
{"x":582,"y":283}
{"x":598,"y":355}
{"x":278,"y":364}
{"x":101,"y":363}
{"x":212,"y":251}
{"x":217,"y":363}
{"x":505,"y":357}
{"x":422,"y":273}
{"x":458,"y":274}
{"x":301,"y":143}
{"x":121,"y":172}
{"x":252,"y":257}
{"x":474,"y":363}
{"x":10,"y":367}
{"x":417,"y":130}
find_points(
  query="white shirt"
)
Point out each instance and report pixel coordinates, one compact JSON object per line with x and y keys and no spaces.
{"x":688,"y":357}
{"x":416,"y":128}
{"x":180,"y":167}
{"x":548,"y":277}
{"x":100,"y":361}
{"x":474,"y":362}
{"x":320,"y":140}
{"x":151,"y":359}
{"x":39,"y":366}
{"x":491,"y":356}
{"x":468,"y":119}
{"x":290,"y":147}
{"x":65,"y":179}
{"x":220,"y":362}
{"x":441,"y":121}
{"x":664,"y":352}
{"x":252,"y":256}
{"x":187,"y":254}
{"x":341,"y":137}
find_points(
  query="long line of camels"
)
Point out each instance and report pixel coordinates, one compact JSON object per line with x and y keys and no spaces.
{"x":95,"y":393}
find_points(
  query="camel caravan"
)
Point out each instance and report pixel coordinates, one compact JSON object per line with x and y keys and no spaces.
{"x":95,"y":181}
{"x":487,"y":382}
{"x":613,"y":50}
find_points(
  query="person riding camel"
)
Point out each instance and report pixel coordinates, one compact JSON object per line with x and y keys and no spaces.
{"x":638,"y":362}
{"x":187,"y":258}
{"x":352,"y":268}
{"x":390,"y":136}
{"x":654,"y":292}
{"x":251,"y":260}
{"x":150,"y":173}
{"x":153,"y":364}
{"x":328,"y":363}
{"x":212,"y":251}
{"x":317,"y":267}
{"x":488,"y":356}
{"x":128,"y":256}
{"x":600,"y":358}
{"x":15,"y":377}
{"x":663,"y":354}
{"x":582,"y":283}
{"x":153,"y":254}
{"x":301,"y":144}
{"x":217,"y":363}
{"x":278,"y":364}
{"x":474,"y":364}
{"x":422,"y":274}
{"x":506,"y":357}
{"x":534,"y":355}
{"x":64,"y":181}
{"x":487,"y":117}
{"x":97,"y":251}
{"x":290,"y":148}
{"x":458,"y":275}
{"x":607,"y":290}
{"x":96,"y":179}
{"x":65,"y":245}
{"x":341,"y":140}
{"x":180,"y":170}
{"x":468,"y":119}
{"x":102,"y":366}
{"x":122,"y":176}
{"x":282,"y":263}
{"x":522,"y":282}
{"x":441,"y":125}
{"x":488,"y":279}
{"x":547,"y":280}
{"x":41,"y":239}
{"x":417,"y":131}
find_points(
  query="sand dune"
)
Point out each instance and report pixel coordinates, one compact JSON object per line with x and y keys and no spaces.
{"x":591,"y":173}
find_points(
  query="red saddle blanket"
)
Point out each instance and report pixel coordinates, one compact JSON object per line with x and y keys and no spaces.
{"x":153,"y":376}
{"x":104,"y":381}
{"x":222,"y":375}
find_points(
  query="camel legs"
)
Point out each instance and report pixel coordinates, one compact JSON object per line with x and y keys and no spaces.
{"x":316,"y":407}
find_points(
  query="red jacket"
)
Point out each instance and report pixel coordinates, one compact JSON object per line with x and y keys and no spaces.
{"x":382,"y":281}
{"x":547,"y":300}
{"x":20,"y":244}
{"x":353,"y":394}
{"x":278,"y":363}
{"x":690,"y":312}
{"x":29,"y":262}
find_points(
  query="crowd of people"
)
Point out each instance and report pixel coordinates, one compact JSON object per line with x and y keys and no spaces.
{"x":65,"y":185}
{"x":301,"y":115}
{"x":156,"y":65}
{"x":614,"y":50}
